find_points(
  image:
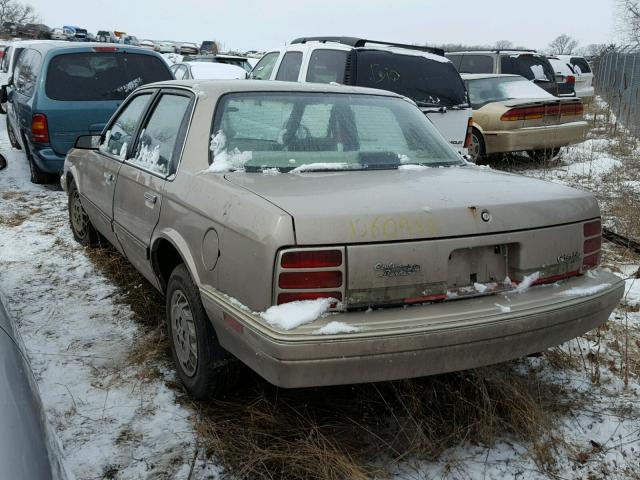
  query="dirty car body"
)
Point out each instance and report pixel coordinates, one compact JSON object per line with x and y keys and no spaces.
{"x":274,"y":192}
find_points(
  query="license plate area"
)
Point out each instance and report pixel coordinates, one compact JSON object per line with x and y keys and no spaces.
{"x":478,"y":270}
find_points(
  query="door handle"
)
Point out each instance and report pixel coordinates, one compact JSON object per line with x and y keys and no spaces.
{"x":108,"y":178}
{"x":150,"y":197}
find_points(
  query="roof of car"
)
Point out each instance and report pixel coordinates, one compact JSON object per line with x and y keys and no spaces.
{"x":497,"y":52}
{"x":477,"y":76}
{"x":218,"y":87}
{"x":46,"y":45}
{"x":372,"y":46}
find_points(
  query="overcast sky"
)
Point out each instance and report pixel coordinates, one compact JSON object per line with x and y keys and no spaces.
{"x":260,"y":25}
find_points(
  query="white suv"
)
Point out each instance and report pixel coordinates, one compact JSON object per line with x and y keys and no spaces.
{"x":422,"y":74}
{"x":583,"y":74}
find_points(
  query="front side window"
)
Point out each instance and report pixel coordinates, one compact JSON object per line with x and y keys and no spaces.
{"x":101,"y":75}
{"x":290,"y":67}
{"x":476,"y":64}
{"x":498,"y":89}
{"x":263,"y":69}
{"x":287,"y":130}
{"x":426,"y":80}
{"x":27,"y":71}
{"x":160,"y":139}
{"x":326,"y":66}
{"x":120,"y":133}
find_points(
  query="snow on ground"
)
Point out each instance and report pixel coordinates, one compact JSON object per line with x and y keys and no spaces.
{"x":112,"y":423}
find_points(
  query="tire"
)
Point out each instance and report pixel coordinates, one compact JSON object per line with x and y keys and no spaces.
{"x":83,"y":231}
{"x":12,"y":136}
{"x":204,"y":367}
{"x":543,"y":154}
{"x":477,"y":149}
{"x":38,"y":175}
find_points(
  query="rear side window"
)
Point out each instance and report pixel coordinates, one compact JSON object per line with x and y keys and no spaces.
{"x":476,"y":64}
{"x":290,"y":67}
{"x":121,"y":131}
{"x":27,"y":71}
{"x":326,"y":66}
{"x":263,"y":69}
{"x":580,"y":65}
{"x":531,"y":67}
{"x":455,"y":59}
{"x":161,"y":138}
{"x":101,"y":75}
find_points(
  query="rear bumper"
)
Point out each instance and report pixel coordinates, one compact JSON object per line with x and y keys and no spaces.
{"x":586,"y":93}
{"x":46,"y":159}
{"x":433,"y":338}
{"x":534,"y":138}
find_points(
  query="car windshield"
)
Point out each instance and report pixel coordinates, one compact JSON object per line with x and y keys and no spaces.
{"x":427,"y":81}
{"x":320,"y":131}
{"x":101,"y":75}
{"x":497,"y":89}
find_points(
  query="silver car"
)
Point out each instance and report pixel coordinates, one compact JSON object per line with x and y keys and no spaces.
{"x":328,"y":234}
{"x":28,"y":449}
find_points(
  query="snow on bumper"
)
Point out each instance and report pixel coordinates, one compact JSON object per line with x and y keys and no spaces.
{"x":416,"y":341}
{"x":534,"y":138}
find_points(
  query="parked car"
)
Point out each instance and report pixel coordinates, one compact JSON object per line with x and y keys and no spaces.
{"x":389,"y":66}
{"x":148,"y":44}
{"x":565,"y":77}
{"x":188,"y":48}
{"x":58,"y":34}
{"x":527,"y":63}
{"x":512,"y":114}
{"x":205,"y":181}
{"x":208,"y":71}
{"x":75,"y":33}
{"x":34,"y":30}
{"x":62,"y":90}
{"x":7,"y":67}
{"x":584,"y":76}
{"x":107,"y":36}
{"x":209,"y":46}
{"x":165,"y":47}
{"x":29,"y":447}
{"x":235,"y":60}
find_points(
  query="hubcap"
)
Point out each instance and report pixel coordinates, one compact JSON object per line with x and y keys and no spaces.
{"x":474,"y":149}
{"x":79,"y":218}
{"x":183,"y":333}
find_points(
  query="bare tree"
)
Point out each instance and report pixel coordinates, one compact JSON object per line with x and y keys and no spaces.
{"x":504,"y":45}
{"x":12,"y":11}
{"x":629,"y":21}
{"x":563,"y":45}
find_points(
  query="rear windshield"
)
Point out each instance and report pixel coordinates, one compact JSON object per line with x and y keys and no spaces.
{"x":322,"y":131}
{"x":427,"y":82}
{"x":101,"y":75}
{"x":531,"y":67}
{"x":497,"y":89}
{"x":238,"y":62}
{"x":580,"y":65}
{"x":561,"y":67}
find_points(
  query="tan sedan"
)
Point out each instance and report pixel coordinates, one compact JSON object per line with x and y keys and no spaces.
{"x":326,"y":234}
{"x":511,"y":114}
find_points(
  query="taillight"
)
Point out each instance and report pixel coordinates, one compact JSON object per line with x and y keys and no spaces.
{"x":309,"y":274}
{"x":575,"y":108}
{"x":526,"y":113}
{"x":571,"y":80}
{"x":105,"y":49}
{"x":592,"y":244}
{"x":39,"y":128}
{"x":467,"y":139}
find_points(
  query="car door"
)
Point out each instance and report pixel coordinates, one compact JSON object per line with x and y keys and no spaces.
{"x":148,"y":164}
{"x":97,"y":172}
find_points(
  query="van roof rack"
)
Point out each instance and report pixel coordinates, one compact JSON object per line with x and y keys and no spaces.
{"x":361,"y":42}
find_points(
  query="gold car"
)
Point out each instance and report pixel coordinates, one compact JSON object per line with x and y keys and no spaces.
{"x":512,"y":114}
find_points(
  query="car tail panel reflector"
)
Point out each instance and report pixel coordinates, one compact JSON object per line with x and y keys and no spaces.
{"x":306,"y":280}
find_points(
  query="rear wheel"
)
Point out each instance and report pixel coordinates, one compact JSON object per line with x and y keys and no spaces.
{"x":83,"y":231}
{"x":545,"y":154}
{"x":476,"y":149}
{"x":204,"y":367}
{"x":12,"y":136}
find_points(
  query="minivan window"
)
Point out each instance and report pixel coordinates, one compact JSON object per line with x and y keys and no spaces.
{"x":290,"y":67}
{"x":580,"y":65}
{"x":27,"y":71}
{"x":326,"y":66}
{"x":101,"y":75}
{"x":156,"y":149}
{"x":263,"y":69}
{"x":121,"y":131}
{"x":325,"y":131}
{"x":455,"y":58}
{"x":476,"y":64}
{"x":427,"y":81}
{"x":531,"y":67}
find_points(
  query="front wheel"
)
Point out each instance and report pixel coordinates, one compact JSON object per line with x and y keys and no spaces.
{"x":83,"y":231}
{"x":204,"y":367}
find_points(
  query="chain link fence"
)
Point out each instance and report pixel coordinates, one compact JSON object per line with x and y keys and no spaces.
{"x":617,"y":81}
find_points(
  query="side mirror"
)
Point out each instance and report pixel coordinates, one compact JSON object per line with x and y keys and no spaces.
{"x":88,"y":142}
